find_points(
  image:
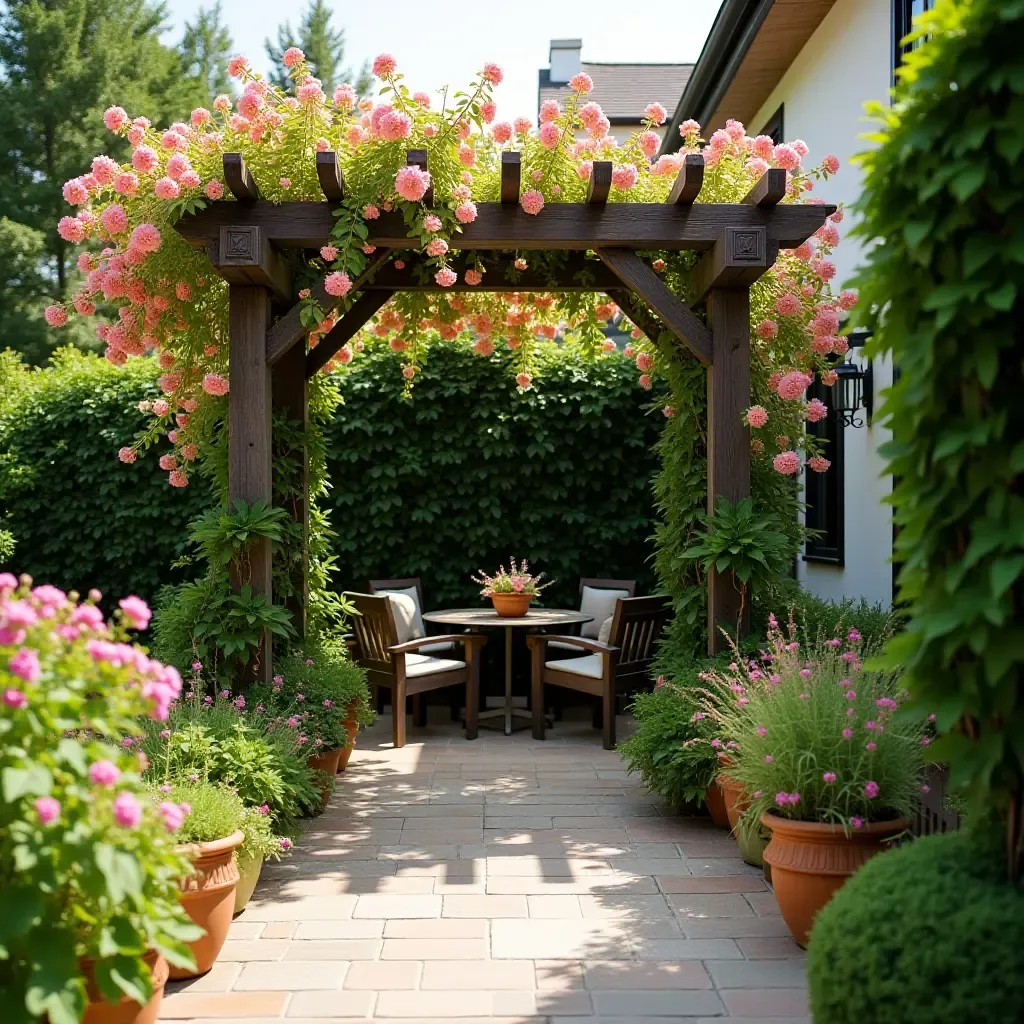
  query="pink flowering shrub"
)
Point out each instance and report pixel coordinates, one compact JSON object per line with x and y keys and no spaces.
{"x":88,"y":860}
{"x":815,"y":735}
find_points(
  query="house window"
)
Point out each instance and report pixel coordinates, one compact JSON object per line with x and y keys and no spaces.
{"x":823,"y":492}
{"x":775,"y":126}
{"x":903,"y":14}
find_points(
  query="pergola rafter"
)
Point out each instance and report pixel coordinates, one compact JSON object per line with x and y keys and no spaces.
{"x":269,"y":369}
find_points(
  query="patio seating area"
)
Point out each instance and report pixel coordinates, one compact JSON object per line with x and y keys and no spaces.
{"x":506,"y":880}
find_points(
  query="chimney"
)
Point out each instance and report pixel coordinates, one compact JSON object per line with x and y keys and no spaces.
{"x":565,"y":59}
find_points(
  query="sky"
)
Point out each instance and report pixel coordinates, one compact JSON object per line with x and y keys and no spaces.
{"x":438,"y":44}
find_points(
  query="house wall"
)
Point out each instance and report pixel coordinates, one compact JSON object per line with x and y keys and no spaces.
{"x":845,"y":63}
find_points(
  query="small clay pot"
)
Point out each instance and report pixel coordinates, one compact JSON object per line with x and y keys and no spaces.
{"x":811,"y":860}
{"x":208,"y":897}
{"x":248,"y":879}
{"x":751,"y":839}
{"x":327,"y":762}
{"x":511,"y":606}
{"x":351,"y":725}
{"x":715,"y":800}
{"x":125,"y":1011}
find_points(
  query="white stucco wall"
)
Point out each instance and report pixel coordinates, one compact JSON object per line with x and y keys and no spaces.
{"x":845,"y":63}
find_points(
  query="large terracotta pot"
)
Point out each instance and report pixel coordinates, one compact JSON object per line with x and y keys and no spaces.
{"x":351,"y":724}
{"x":248,"y":878}
{"x":127,"y":1011}
{"x":749,"y":837}
{"x":511,"y":606}
{"x":715,"y":800}
{"x":811,"y":860}
{"x":208,"y":897}
{"x":327,"y":762}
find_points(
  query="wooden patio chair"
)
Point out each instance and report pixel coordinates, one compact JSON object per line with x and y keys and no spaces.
{"x":620,"y":666}
{"x":404,"y":671}
{"x":413,"y":588}
{"x":597,"y":598}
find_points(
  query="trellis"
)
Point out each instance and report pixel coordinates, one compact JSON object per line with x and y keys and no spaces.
{"x":270,"y":367}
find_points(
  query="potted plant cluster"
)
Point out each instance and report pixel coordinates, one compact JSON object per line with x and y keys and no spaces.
{"x":820,"y":756}
{"x":511,"y":591}
{"x":89,"y":863}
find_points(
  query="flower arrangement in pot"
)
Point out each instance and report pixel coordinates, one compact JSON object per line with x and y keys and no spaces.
{"x":89,"y":867}
{"x":511,"y":591}
{"x":823,"y":759}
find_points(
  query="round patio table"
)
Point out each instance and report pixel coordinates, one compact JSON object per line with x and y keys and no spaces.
{"x":488,"y":618}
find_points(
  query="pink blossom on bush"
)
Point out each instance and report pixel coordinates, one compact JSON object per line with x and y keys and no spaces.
{"x":767,"y":329}
{"x":830,"y":164}
{"x":329,"y":253}
{"x":166,"y":188}
{"x":473,"y":276}
{"x":136,"y":612}
{"x":338,"y":284}
{"x":787,"y":304}
{"x":532,"y":202}
{"x":47,"y":809}
{"x":786,"y":463}
{"x":104,"y":773}
{"x":549,"y":134}
{"x":644,"y":361}
{"x":649,"y":143}
{"x":757,"y":416}
{"x":75,"y":192}
{"x":815,"y":410}
{"x":115,"y":118}
{"x":446,"y":277}
{"x":819,"y":464}
{"x":411,"y":183}
{"x":384,"y":65}
{"x":655,"y":112}
{"x":624,"y":176}
{"x":847,"y":299}
{"x":581,"y":83}
{"x":55,"y":316}
{"x":24,"y":663}
{"x":215,"y":384}
{"x":550,"y":111}
{"x":466,"y":212}
{"x":127,"y":810}
{"x":794,"y":384}
{"x":524,"y":380}
{"x":493,"y":74}
{"x":786,"y":156}
{"x":14,"y":698}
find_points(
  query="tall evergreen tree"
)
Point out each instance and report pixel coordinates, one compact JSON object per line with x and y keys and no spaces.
{"x":62,"y":62}
{"x":324,"y":47}
{"x":205,"y":48}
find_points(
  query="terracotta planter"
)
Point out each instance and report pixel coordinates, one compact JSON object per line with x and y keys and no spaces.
{"x":127,"y":1011}
{"x":715,"y":800}
{"x":208,"y":897}
{"x":751,"y":839}
{"x":810,"y":861}
{"x":351,"y":725}
{"x":327,"y":763}
{"x":511,"y":606}
{"x":248,"y":878}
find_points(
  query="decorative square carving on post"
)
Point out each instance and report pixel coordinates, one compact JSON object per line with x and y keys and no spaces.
{"x":240,"y":246}
{"x":745,"y":247}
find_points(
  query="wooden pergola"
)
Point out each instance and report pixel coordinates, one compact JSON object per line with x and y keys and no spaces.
{"x":269,"y":365}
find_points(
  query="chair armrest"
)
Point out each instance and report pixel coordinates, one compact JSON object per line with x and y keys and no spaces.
{"x":574,"y":641}
{"x":411,"y":646}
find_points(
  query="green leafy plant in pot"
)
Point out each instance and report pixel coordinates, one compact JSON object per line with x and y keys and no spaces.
{"x":89,"y":867}
{"x":825,"y":760}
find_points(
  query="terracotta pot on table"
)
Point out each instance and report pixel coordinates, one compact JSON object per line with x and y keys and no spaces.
{"x":208,"y":897}
{"x":511,"y":606}
{"x":811,"y":860}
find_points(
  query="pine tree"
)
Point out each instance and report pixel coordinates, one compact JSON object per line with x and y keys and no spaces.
{"x":62,"y":62}
{"x":324,"y":47}
{"x":205,"y":47}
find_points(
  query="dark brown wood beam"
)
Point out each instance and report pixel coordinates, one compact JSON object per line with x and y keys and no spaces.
{"x":769,"y":190}
{"x":675,"y":314}
{"x":345,"y":329}
{"x":249,"y":432}
{"x":240,"y":181}
{"x":328,"y":173}
{"x":418,"y":158}
{"x":600,"y":184}
{"x":728,"y":443}
{"x":577,"y":275}
{"x":689,"y":181}
{"x":511,"y":177}
{"x":291,"y":399}
{"x":287,"y":331}
{"x":243,"y":255}
{"x":736,"y":260}
{"x":306,"y":225}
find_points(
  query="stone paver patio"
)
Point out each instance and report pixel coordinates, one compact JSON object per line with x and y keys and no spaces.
{"x":503,"y":880}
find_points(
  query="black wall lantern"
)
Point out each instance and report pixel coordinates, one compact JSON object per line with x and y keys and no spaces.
{"x":855,"y":388}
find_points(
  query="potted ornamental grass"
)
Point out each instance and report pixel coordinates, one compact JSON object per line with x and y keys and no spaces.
{"x":820,"y":756}
{"x":209,"y":835}
{"x":89,"y":864}
{"x":511,"y":591}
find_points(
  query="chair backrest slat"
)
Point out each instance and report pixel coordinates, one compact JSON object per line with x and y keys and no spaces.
{"x":374,"y":627}
{"x":636,"y":628}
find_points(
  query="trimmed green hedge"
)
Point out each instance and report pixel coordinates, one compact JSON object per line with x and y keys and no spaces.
{"x":467,"y":473}
{"x":471,"y":471}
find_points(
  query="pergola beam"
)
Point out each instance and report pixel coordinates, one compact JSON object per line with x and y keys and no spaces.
{"x":689,"y":181}
{"x":328,"y":173}
{"x":243,"y":255}
{"x":511,"y":177}
{"x":675,"y":314}
{"x":345,"y":329}
{"x":736,"y":260}
{"x":307,"y":225}
{"x":287,"y":331}
{"x":769,"y":190}
{"x":240,"y":181}
{"x":600,"y":184}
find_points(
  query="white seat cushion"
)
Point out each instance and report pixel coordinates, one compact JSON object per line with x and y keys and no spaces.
{"x":421,"y":665}
{"x":599,"y":603}
{"x":445,"y":647}
{"x":557,"y":645}
{"x":592,"y":665}
{"x":417,"y":619}
{"x":404,"y":609}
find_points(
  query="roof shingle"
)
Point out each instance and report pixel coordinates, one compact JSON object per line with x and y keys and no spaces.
{"x":624,"y":90}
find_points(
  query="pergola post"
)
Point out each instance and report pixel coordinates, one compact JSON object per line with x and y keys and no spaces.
{"x":728,"y":314}
{"x":249,"y":431}
{"x":291,"y":398}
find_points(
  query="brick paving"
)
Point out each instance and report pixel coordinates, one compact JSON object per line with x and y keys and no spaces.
{"x":506,"y":881}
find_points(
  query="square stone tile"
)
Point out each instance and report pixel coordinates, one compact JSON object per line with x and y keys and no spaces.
{"x":438,"y":928}
{"x":239,"y":1005}
{"x":380,"y":975}
{"x":640,"y":1003}
{"x":554,"y":906}
{"x":392,"y":906}
{"x":758,"y":974}
{"x":242,"y":950}
{"x":487,"y":974}
{"x":559,"y":974}
{"x":770,"y":947}
{"x":421,"y":1004}
{"x":685,"y":949}
{"x":623,"y":975}
{"x":335,"y":949}
{"x":625,"y":908}
{"x":242,"y":929}
{"x":709,"y":905}
{"x":434,"y":949}
{"x":693,"y":884}
{"x":331,"y":1004}
{"x":767,"y":1002}
{"x":485,"y":906}
{"x":339,"y":930}
{"x":295,"y":975}
{"x":220,"y":978}
{"x":278,"y":929}
{"x":307,"y":908}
